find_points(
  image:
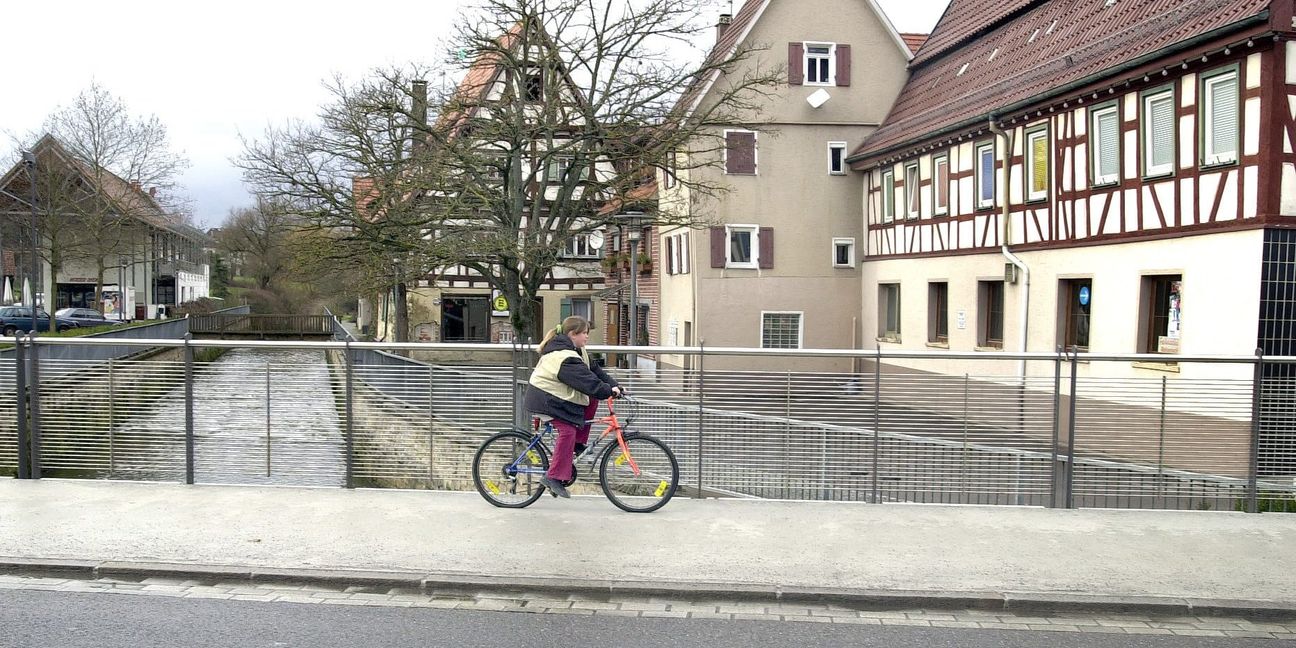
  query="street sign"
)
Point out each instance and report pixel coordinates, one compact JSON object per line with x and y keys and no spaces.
{"x":499,"y":305}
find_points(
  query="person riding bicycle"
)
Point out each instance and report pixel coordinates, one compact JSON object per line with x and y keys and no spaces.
{"x":568,"y":388}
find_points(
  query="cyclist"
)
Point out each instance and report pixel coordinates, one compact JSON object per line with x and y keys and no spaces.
{"x":566,"y":387}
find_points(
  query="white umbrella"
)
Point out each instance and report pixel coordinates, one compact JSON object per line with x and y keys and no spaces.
{"x":6,"y":294}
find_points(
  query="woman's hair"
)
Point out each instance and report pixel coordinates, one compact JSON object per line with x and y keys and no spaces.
{"x":573,"y":324}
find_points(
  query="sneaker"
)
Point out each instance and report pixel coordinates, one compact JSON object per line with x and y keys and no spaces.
{"x":555,"y":487}
{"x":578,"y":449}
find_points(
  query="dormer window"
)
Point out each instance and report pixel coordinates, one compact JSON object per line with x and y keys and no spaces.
{"x":534,"y":88}
{"x":819,"y":64}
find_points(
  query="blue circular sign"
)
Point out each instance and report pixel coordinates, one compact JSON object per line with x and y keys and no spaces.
{"x":1084,"y":295}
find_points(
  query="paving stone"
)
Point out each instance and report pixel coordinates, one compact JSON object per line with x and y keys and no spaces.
{"x":1194,"y":632}
{"x":618,"y":613}
{"x":1122,"y":623}
{"x":856,"y":620}
{"x":663,"y":614}
{"x":1002,"y":626}
{"x":932,"y":617}
{"x":593,"y":605}
{"x":809,"y":619}
{"x":954,"y":624}
{"x":1248,"y":634}
{"x":1148,"y":631}
{"x":210,"y":595}
{"x":906,"y":622}
{"x":296,"y":598}
{"x":709,"y":615}
{"x":265,"y":598}
{"x":1056,"y":627}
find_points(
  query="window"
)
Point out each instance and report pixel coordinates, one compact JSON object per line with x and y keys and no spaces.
{"x":534,"y":87}
{"x":889,"y":312}
{"x":938,"y":312}
{"x":940,"y":186}
{"x":582,"y":307}
{"x":740,"y":152}
{"x":1037,"y":166}
{"x":913,"y":194}
{"x":781,"y":330}
{"x":682,"y":248}
{"x":671,"y":172}
{"x":985,"y":176}
{"x":1158,"y":133}
{"x":558,"y":167}
{"x":672,"y":256}
{"x":579,"y":247}
{"x":1162,"y":316}
{"x":888,"y":196}
{"x":1077,"y":296}
{"x":837,"y":158}
{"x":819,"y":64}
{"x":844,"y":253}
{"x":1220,"y":118}
{"x":742,"y":246}
{"x":990,"y":314}
{"x":1104,"y":141}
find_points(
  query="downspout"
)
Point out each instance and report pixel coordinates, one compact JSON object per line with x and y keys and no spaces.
{"x":1005,"y":228}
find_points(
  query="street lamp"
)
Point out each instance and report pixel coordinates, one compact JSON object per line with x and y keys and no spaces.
{"x":633,"y":222}
{"x":29,"y":161}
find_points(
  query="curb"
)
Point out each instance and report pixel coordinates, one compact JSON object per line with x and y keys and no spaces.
{"x":1041,"y":603}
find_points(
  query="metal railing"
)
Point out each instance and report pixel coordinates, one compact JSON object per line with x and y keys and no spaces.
{"x":248,"y":324}
{"x":1076,"y":431}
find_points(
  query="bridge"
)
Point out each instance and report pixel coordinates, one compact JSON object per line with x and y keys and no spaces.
{"x":247,"y":325}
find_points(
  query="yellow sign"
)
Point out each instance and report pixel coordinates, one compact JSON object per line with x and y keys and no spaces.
{"x":501,"y":303}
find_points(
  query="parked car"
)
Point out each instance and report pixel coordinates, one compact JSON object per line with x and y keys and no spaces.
{"x":19,"y":318}
{"x":84,"y":317}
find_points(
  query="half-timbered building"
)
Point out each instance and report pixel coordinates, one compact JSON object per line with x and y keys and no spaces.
{"x":1112,"y":175}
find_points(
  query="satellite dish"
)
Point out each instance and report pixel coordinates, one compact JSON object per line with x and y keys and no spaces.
{"x":596,"y":240}
{"x":818,"y":98}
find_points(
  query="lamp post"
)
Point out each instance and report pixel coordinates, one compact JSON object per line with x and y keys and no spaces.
{"x":633,"y":236}
{"x":29,"y":161}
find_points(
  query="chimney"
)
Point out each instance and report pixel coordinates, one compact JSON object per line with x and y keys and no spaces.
{"x":723,"y":26}
{"x":420,"y":113}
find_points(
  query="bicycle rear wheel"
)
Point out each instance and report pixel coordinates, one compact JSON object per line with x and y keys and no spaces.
{"x":648,"y":488}
{"x":506,"y":473}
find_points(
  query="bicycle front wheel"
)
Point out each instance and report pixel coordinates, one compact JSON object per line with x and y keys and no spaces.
{"x":506,"y":473}
{"x":641,"y":478}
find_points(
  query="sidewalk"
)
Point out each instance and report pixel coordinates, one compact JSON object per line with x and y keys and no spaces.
{"x":895,"y":555}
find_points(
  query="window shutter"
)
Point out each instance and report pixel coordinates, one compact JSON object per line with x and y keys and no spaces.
{"x":1163,"y":132}
{"x":1108,"y":145}
{"x":740,"y":153}
{"x":766,"y":248}
{"x":718,"y":242}
{"x":684,"y":252}
{"x":1224,"y":118}
{"x":565,"y":310}
{"x":796,"y":63}
{"x":843,"y":65}
{"x":670,"y":255}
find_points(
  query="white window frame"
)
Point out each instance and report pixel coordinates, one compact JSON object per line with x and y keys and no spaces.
{"x":1095,"y":146}
{"x":1209,"y":157}
{"x":578,"y":247}
{"x":981,"y":180}
{"x":938,"y":162}
{"x":1145,"y":120}
{"x":673,"y":264}
{"x":837,"y":146}
{"x":913,"y":182}
{"x":683,"y":246}
{"x":850,"y":255}
{"x":754,"y":262}
{"x":1031,"y":137}
{"x":832,"y":63}
{"x":888,"y":196}
{"x":800,"y":315}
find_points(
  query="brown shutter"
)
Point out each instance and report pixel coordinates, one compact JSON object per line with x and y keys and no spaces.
{"x":796,"y":63}
{"x":843,"y":65}
{"x":669,"y":260}
{"x":718,"y":242}
{"x":766,"y":248}
{"x":740,"y":153}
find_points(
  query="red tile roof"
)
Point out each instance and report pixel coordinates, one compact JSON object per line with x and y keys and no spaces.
{"x":1035,"y":47}
{"x":914,"y":41}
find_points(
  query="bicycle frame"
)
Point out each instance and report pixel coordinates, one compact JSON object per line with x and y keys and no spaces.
{"x":613,"y":425}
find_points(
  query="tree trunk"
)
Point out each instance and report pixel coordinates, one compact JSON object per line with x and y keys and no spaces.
{"x":99,"y":284}
{"x":401,"y":304}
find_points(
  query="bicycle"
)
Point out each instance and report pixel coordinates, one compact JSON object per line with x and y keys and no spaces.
{"x":637,"y":472}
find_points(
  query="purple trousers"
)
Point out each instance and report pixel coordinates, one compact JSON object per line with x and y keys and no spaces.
{"x":560,"y":464}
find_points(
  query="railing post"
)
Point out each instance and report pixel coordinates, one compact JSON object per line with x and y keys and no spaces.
{"x":350,"y":425}
{"x":189,"y":409}
{"x":267,"y":418}
{"x":112,"y":416}
{"x":431,"y":427}
{"x":701,"y":410}
{"x":34,"y":408}
{"x":1253,"y":466}
{"x":1057,"y":418}
{"x":1071,"y":433}
{"x":877,"y":421}
{"x":20,"y":399}
{"x":1160,"y":492}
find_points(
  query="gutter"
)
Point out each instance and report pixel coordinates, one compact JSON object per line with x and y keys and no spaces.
{"x":1260,"y":18}
{"x":1005,"y":228}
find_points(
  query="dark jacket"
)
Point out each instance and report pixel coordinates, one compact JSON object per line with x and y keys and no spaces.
{"x":590,"y":380}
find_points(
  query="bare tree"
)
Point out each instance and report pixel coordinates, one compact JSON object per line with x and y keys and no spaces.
{"x":119,"y":173}
{"x":259,"y":237}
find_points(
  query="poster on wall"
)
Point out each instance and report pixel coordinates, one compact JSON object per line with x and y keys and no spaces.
{"x":1169,"y":343}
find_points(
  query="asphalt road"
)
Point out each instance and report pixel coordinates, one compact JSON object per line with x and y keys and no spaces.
{"x":32,"y":619}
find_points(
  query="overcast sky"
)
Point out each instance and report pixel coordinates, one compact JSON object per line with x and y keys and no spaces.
{"x":211,"y":71}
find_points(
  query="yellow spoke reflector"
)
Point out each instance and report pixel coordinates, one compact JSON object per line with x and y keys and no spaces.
{"x":490,"y":486}
{"x":661,"y":488}
{"x":622,"y":459}
{"x":535,"y":458}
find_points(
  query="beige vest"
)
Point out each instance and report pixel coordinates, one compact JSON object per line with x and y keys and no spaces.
{"x":545,"y":376}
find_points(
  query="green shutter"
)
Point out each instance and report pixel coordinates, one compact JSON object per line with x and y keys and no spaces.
{"x":565,"y":310}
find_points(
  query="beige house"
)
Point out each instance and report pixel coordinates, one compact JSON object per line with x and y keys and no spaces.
{"x":778,"y":267}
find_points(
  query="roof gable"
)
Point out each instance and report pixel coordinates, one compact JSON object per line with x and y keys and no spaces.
{"x":1034,"y":52}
